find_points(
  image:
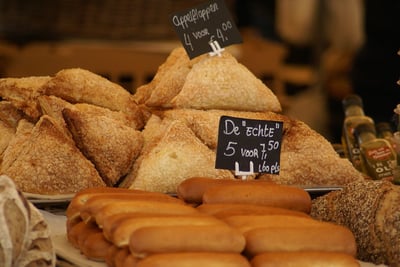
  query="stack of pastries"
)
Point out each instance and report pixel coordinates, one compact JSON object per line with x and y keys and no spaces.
{"x":76,"y":129}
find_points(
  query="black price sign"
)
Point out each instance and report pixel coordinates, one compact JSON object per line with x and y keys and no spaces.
{"x":247,"y":145}
{"x":205,"y":28}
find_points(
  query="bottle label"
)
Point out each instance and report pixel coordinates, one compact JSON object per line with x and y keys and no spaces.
{"x":382,"y":170}
{"x":380,"y":153}
{"x":381,"y":162}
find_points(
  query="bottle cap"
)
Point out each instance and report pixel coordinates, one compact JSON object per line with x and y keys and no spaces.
{"x":352,"y":100}
{"x":364,"y":127}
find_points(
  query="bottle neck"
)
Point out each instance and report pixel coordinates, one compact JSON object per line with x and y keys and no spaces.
{"x":366,"y":137}
{"x":354,"y":110}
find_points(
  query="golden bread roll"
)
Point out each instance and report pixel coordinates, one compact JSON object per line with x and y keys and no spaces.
{"x":306,"y":258}
{"x":192,"y":189}
{"x":120,"y":257}
{"x":95,"y":203}
{"x":110,"y":223}
{"x":193,"y":238}
{"x":74,"y":231}
{"x":129,"y":261}
{"x":227,"y":209}
{"x":95,"y":246}
{"x":84,"y":195}
{"x":85,"y":233}
{"x":140,"y":207}
{"x":120,"y":232}
{"x":245,"y":223}
{"x":267,"y":194}
{"x":81,"y":232}
{"x":326,"y":237}
{"x":110,"y":255}
{"x":209,"y":259}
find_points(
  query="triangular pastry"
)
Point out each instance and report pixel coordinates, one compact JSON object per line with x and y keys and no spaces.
{"x":17,"y":144}
{"x":6,"y":133}
{"x":178,"y":155}
{"x":307,"y":158}
{"x":152,"y":133}
{"x":223,"y":83}
{"x":204,"y":123}
{"x":9,"y":118}
{"x":170,"y":78}
{"x":9,"y":114}
{"x":82,"y":86}
{"x":144,"y":91}
{"x":53,"y":107}
{"x":107,"y":142}
{"x":46,"y":162}
{"x":23,"y":93}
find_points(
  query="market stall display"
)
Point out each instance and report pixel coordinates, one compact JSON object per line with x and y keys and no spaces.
{"x":125,"y":157}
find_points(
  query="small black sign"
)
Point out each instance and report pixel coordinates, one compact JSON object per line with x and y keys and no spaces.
{"x":206,"y":28}
{"x":243,"y":143}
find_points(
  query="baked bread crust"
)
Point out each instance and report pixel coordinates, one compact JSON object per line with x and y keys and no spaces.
{"x":371,"y":211}
{"x":108,"y":143}
{"x":167,"y":162}
{"x":223,"y":83}
{"x":47,"y":154}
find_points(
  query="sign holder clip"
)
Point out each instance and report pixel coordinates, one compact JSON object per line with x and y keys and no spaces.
{"x":216,"y":48}
{"x":244,"y":173}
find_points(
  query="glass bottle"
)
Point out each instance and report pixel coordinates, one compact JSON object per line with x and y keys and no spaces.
{"x":384,"y":130}
{"x":377,"y":155}
{"x":354,"y":115}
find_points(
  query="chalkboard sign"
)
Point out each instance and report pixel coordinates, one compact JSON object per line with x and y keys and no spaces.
{"x":248,"y":145}
{"x":206,"y":28}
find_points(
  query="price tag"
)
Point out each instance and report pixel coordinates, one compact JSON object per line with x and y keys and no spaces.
{"x":206,"y":28}
{"x":249,"y":146}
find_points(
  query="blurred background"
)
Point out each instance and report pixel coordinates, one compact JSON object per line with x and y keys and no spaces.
{"x":311,"y":53}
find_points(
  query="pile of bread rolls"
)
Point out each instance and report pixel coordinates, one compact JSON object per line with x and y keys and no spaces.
{"x":76,"y":129}
{"x":211,"y":223}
